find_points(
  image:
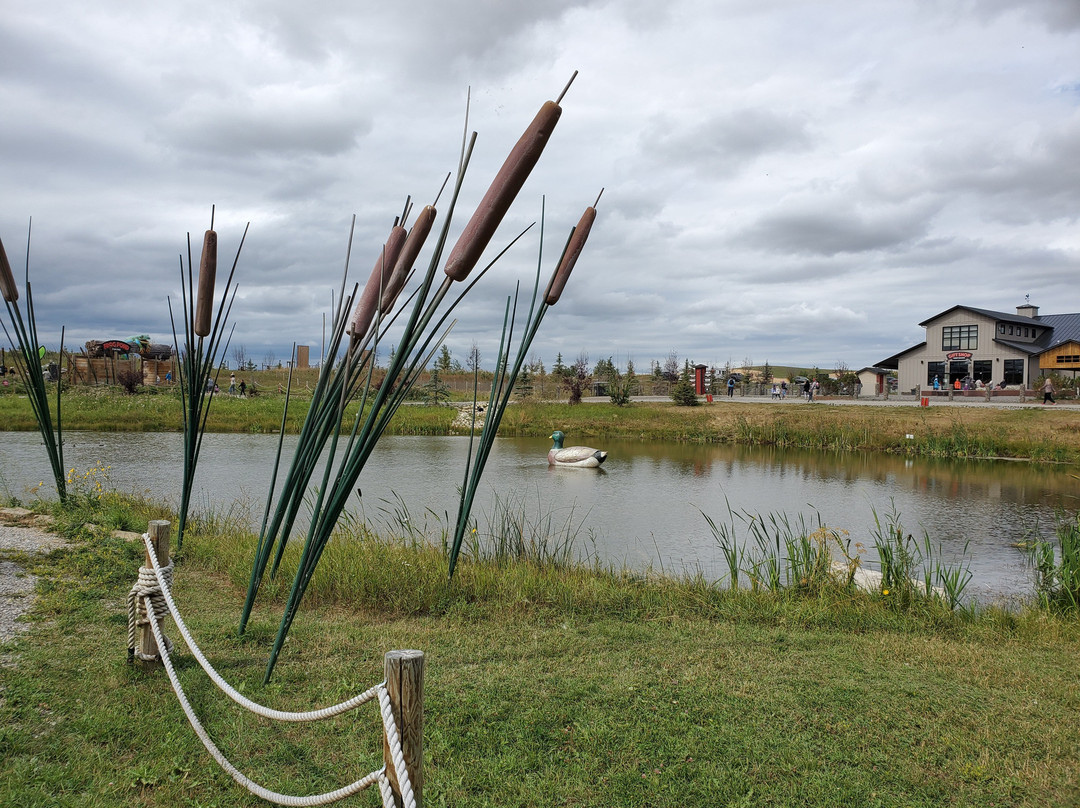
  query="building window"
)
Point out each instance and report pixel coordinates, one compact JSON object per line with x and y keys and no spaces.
{"x":1068,"y":359}
{"x":984,"y":368}
{"x":960,"y":338}
{"x":1014,"y":371}
{"x":935,"y":370}
{"x":1010,"y":330}
{"x":1001,"y":328}
{"x":1034,"y":334}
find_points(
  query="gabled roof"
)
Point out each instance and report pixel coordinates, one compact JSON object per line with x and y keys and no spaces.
{"x":893,"y":362}
{"x":1003,"y":316}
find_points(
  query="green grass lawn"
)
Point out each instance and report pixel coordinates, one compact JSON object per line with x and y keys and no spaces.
{"x":544,"y":687}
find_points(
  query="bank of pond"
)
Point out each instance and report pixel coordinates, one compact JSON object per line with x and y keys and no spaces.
{"x":648,"y":509}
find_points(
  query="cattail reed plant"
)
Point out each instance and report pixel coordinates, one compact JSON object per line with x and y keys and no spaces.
{"x":347,"y":370}
{"x":26,"y":356}
{"x":506,"y":374}
{"x":203,"y":328}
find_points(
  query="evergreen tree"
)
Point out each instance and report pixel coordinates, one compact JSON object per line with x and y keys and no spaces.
{"x":524,"y":385}
{"x":435,"y":392}
{"x":683,"y":393}
{"x":620,"y":385}
{"x":443,"y":361}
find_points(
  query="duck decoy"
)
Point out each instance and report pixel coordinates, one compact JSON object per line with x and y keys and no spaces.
{"x":576,"y":456}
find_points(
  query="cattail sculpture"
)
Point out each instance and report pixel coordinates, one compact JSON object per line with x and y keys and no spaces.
{"x":340,"y":380}
{"x":203,"y":347}
{"x":204,"y":307}
{"x":506,"y":374}
{"x":26,"y":356}
{"x":7,"y":281}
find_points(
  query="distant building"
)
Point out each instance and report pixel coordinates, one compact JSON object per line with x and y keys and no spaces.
{"x":874,"y":381}
{"x":965,"y":343}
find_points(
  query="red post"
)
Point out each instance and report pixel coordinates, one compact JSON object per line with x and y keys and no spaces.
{"x":699,"y":380}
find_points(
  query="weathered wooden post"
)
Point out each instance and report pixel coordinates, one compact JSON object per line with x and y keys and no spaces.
{"x":405,"y":685}
{"x":148,"y":652}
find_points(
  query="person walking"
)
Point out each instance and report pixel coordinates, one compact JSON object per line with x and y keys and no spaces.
{"x":937,"y":383}
{"x":783,"y":390}
{"x":243,"y":387}
{"x":232,"y":384}
{"x":731,"y":387}
{"x":808,"y":391}
{"x":1048,"y":392}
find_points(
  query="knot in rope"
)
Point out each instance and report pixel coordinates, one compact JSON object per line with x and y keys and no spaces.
{"x":146,"y":588}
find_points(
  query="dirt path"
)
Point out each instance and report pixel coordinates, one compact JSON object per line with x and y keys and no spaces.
{"x":17,"y":585}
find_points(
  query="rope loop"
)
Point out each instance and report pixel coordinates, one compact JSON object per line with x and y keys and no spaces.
{"x":151,"y":595}
{"x":148,"y":587}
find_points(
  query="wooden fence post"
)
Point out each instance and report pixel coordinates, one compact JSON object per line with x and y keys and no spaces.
{"x":158,"y":530}
{"x":405,"y":686}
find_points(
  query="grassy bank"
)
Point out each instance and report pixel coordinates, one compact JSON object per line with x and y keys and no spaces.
{"x":1046,"y":435}
{"x":546,"y":685}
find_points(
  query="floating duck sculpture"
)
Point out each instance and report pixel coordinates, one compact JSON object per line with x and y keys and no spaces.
{"x":577,"y":456}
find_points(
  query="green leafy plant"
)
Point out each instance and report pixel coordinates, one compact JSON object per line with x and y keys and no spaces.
{"x":1057,"y":567}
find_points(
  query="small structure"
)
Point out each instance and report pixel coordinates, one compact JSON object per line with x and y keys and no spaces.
{"x":874,"y":381}
{"x":101,"y":362}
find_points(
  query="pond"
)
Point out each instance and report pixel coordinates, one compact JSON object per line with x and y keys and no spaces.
{"x":643,"y":509}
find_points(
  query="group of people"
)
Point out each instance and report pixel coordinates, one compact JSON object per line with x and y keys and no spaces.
{"x":779,"y":391}
{"x":234,"y":388}
{"x":968,"y":384}
{"x":1047,"y":388}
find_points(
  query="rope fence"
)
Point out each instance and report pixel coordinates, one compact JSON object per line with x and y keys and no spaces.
{"x":400,"y":695}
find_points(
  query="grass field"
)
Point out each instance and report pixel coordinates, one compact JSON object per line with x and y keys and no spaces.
{"x":1048,"y":434}
{"x":545,"y":686}
{"x":548,"y":684}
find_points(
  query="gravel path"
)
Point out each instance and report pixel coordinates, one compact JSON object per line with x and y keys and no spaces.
{"x":17,"y":585}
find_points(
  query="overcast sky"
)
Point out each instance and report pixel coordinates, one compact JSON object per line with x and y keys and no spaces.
{"x":786,"y":181}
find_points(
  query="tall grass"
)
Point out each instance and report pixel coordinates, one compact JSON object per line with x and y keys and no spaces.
{"x":1057,"y":568}
{"x":774,"y":553}
{"x":906,"y":563}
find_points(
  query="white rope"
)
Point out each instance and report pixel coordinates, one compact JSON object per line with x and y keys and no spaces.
{"x":163,"y":580}
{"x":150,"y":584}
{"x":165,"y":583}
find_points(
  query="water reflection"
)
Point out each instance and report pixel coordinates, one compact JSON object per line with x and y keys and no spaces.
{"x":642,"y":509}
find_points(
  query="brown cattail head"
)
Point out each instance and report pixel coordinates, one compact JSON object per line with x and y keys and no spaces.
{"x":7,"y":281}
{"x":573,"y":250}
{"x":204,"y":307}
{"x":364,"y":312}
{"x":489,"y":213}
{"x":413,"y":244}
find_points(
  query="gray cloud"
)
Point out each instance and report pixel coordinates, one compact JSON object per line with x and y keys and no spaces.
{"x":800,"y":184}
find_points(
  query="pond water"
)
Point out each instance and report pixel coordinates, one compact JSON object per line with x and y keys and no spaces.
{"x":643,"y":509}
